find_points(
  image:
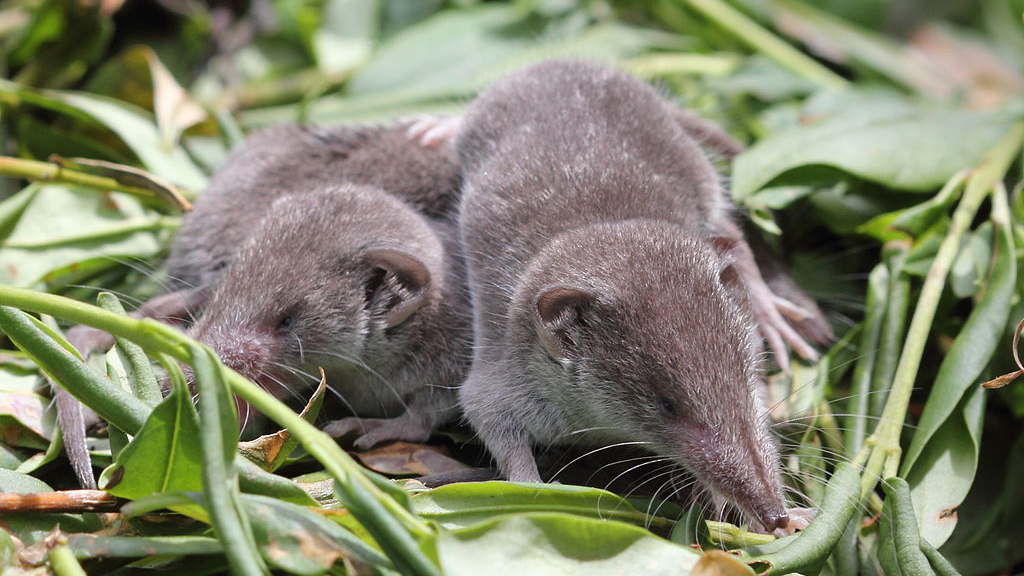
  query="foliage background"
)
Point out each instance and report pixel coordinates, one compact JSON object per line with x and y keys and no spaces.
{"x":853,"y":132}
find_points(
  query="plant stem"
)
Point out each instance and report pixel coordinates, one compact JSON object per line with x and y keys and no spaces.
{"x":750,"y":32}
{"x":118,"y":407}
{"x":57,"y":174}
{"x":884,"y":443}
{"x":63,"y":561}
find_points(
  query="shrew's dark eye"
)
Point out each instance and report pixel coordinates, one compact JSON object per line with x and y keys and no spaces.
{"x":666,"y":406}
{"x":286,"y":321}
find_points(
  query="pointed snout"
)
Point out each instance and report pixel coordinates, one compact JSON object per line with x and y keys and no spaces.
{"x":774,"y":519}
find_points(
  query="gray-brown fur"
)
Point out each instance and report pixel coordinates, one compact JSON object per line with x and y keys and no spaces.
{"x":270,"y":164}
{"x":603,"y":310}
{"x":310,"y":289}
{"x":291,"y":159}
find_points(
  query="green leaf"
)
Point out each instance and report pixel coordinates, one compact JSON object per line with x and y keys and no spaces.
{"x":218,"y":438}
{"x":464,"y":504}
{"x":164,"y":456}
{"x":134,"y":126}
{"x":911,"y":222}
{"x":894,"y":142}
{"x":899,"y":549}
{"x":806,"y":552}
{"x":91,"y":388}
{"x":971,"y":263}
{"x":22,"y":411}
{"x":546,"y":543}
{"x":98,"y":546}
{"x":254,"y":480}
{"x":63,"y":227}
{"x":420,"y":70}
{"x":294,"y":539}
{"x":942,"y":457}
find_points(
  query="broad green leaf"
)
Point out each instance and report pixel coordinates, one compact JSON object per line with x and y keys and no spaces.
{"x":419,"y":70}
{"x":134,"y":126}
{"x":63,"y":227}
{"x":549,"y":543}
{"x":22,"y":411}
{"x":911,"y":222}
{"x":990,"y":537}
{"x":164,"y":456}
{"x":948,"y":433}
{"x":944,"y":471}
{"x":137,"y":130}
{"x":346,"y":35}
{"x":896,"y":143}
{"x":763,"y":79}
{"x":299,"y":541}
{"x":464,"y":504}
{"x":12,"y":208}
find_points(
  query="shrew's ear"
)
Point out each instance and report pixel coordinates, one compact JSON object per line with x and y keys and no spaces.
{"x":560,"y":313}
{"x":397,"y":285}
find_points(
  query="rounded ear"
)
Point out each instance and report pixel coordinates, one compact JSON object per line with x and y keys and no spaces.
{"x":728,"y":272}
{"x":397,"y":285}
{"x":559,"y":309}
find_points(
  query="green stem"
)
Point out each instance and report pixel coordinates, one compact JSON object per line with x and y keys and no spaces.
{"x":886,"y":437}
{"x":220,"y":477}
{"x":57,"y":174}
{"x":860,"y":396}
{"x":63,"y":561}
{"x":750,"y":32}
{"x":115,"y":405}
{"x":144,"y":382}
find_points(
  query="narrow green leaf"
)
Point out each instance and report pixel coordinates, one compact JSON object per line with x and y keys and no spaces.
{"x":806,"y":552}
{"x":464,"y":504}
{"x":91,"y":388}
{"x":219,"y":440}
{"x":99,"y":546}
{"x":899,"y":549}
{"x":143,"y":381}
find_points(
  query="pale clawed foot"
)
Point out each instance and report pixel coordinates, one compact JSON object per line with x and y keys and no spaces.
{"x":769,"y":311}
{"x":799,"y":518}
{"x":373,"y":431}
{"x":431,"y":131}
